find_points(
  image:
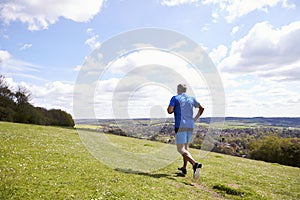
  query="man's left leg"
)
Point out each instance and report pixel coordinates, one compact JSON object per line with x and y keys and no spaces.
{"x":196,"y":165}
{"x":184,"y":159}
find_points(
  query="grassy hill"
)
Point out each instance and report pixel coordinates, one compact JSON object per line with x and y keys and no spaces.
{"x":39,"y":162}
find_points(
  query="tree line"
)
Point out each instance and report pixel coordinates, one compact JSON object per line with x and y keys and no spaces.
{"x":15,"y":107}
{"x":275,"y":149}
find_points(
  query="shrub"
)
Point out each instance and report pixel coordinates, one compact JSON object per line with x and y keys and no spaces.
{"x":275,"y":149}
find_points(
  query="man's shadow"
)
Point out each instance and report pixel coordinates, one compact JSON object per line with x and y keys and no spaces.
{"x":153,"y":175}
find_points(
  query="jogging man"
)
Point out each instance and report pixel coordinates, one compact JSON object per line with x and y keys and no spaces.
{"x":182,"y":107}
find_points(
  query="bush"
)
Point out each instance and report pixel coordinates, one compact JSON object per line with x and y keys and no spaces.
{"x":60,"y":118}
{"x":7,"y":114}
{"x":275,"y":149}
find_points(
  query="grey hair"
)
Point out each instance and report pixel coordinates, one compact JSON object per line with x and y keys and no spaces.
{"x":181,"y":88}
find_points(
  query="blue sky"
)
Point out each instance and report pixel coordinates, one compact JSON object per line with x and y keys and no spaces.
{"x":253,"y":44}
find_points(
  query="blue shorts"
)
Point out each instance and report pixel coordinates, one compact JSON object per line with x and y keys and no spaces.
{"x":183,"y":137}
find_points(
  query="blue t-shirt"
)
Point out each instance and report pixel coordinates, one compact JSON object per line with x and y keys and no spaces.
{"x":183,"y":110}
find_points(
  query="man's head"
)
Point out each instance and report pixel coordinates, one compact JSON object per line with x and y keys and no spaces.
{"x":181,"y":88}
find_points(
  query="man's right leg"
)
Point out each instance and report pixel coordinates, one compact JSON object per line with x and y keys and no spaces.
{"x":188,"y":157}
{"x":186,"y":154}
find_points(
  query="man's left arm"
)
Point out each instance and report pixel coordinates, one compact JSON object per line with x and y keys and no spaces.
{"x":200,"y":111}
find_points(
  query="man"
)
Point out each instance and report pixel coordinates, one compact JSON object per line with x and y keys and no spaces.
{"x":182,"y":107}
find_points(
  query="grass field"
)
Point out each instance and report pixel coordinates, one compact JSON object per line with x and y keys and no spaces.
{"x":39,"y":162}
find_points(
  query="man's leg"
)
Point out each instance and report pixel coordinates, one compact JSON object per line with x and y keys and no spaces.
{"x":196,"y":165}
{"x":185,"y":160}
{"x":182,"y":140}
{"x":182,"y":148}
{"x":186,"y":155}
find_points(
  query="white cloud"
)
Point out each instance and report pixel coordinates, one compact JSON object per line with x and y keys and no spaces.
{"x":92,"y":41}
{"x":9,"y":64}
{"x":259,"y":97}
{"x":133,"y":80}
{"x":77,"y":68}
{"x":218,"y":54}
{"x":56,"y":95}
{"x":4,"y":55}
{"x":237,"y":8}
{"x":261,"y":74}
{"x":240,"y":8}
{"x":234,"y":30}
{"x":177,"y":2}
{"x":266,"y":51}
{"x":90,"y":31}
{"x":11,"y":67}
{"x":40,"y":14}
{"x":25,"y":46}
{"x":233,"y":9}
{"x":215,"y":15}
{"x":145,"y":57}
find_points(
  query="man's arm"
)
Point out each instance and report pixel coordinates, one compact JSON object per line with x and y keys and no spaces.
{"x":171,"y":105}
{"x":200,"y":111}
{"x":170,"y":109}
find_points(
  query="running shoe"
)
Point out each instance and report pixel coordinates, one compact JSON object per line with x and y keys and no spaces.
{"x":182,"y":170}
{"x":196,"y":168}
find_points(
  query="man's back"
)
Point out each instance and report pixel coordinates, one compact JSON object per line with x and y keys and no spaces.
{"x":183,"y":110}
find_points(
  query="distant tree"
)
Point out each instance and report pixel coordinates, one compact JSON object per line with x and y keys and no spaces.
{"x":276,"y":149}
{"x":24,"y":110}
{"x":41,"y":116}
{"x":60,"y":118}
{"x":22,"y":95}
{"x":5,"y":92}
{"x":290,"y":151}
{"x":7,"y":114}
{"x":15,"y":107}
{"x":7,"y":104}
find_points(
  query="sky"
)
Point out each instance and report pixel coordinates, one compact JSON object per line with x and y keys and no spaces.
{"x":254,"y":46}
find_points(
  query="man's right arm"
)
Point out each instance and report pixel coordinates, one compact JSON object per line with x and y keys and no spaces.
{"x":170,"y":109}
{"x":171,"y":105}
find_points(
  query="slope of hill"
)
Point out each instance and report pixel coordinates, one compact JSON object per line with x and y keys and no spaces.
{"x":38,"y":162}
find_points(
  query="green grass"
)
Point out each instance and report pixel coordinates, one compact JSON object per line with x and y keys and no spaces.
{"x":87,"y":126}
{"x":39,"y":162}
